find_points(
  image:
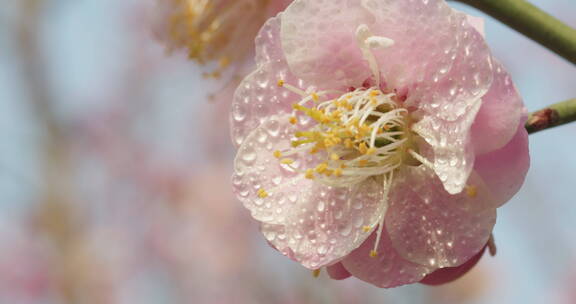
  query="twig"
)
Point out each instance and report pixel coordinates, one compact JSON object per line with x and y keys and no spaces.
{"x":552,"y":116}
{"x":531,"y":22}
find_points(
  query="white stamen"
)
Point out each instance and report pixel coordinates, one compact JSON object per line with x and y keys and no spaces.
{"x":421,"y":159}
{"x":387,"y":183}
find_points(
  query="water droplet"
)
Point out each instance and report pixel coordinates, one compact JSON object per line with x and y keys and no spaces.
{"x":249,"y":155}
{"x":321,"y":206}
{"x":322,"y":250}
{"x":238,"y":113}
{"x":346,"y":229}
{"x":273,"y":127}
{"x":262,"y":137}
{"x":277,"y":180}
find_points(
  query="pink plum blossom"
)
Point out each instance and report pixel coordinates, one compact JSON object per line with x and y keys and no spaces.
{"x":377,"y":138}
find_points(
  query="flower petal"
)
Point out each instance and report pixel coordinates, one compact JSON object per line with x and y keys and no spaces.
{"x":450,"y":274}
{"x":319,"y":40}
{"x":501,"y":109}
{"x":256,"y":169}
{"x":429,"y":226}
{"x":258,"y":95}
{"x":388,"y":269}
{"x":477,"y":23}
{"x":337,"y":272}
{"x":327,"y":223}
{"x":505,"y":169}
{"x":321,"y":234}
{"x":449,"y":148}
{"x":438,"y":60}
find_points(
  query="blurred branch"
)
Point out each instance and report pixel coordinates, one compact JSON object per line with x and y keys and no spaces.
{"x":56,"y":218}
{"x":552,"y":116}
{"x":531,"y":22}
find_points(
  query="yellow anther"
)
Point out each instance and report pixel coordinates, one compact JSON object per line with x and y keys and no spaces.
{"x":280,"y":83}
{"x":343,"y":104}
{"x":315,"y":149}
{"x":315,"y":97}
{"x":343,"y":166}
{"x":371,"y":151}
{"x":293,"y":120}
{"x":363,"y":148}
{"x":321,"y":168}
{"x":316,"y":272}
{"x":366,"y":228}
{"x":287,"y":161}
{"x":329,"y":142}
{"x":334,"y":156}
{"x":373,"y":101}
{"x":300,"y":107}
{"x":374,"y":93}
{"x":336,"y":115}
{"x":337,"y":172}
{"x":354,"y":122}
{"x":364,"y":128}
{"x":348,"y":143}
{"x":309,"y":174}
{"x":471,"y":191}
{"x":373,"y":253}
{"x":262,"y":193}
{"x":317,"y":115}
{"x":277,"y":154}
{"x":224,"y":62}
{"x":362,"y":163}
{"x":305,"y":134}
{"x":296,"y":143}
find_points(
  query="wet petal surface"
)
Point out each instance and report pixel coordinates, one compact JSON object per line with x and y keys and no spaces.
{"x":431,"y":227}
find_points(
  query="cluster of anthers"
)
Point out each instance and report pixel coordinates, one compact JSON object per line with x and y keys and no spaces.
{"x":214,"y":29}
{"x":364,"y":133}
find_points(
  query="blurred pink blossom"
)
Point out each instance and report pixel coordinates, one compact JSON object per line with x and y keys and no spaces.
{"x":214,"y":30}
{"x":377,"y":138}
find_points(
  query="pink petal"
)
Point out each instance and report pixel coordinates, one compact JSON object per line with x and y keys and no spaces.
{"x":450,"y":274}
{"x":328,"y":223}
{"x":325,"y":224}
{"x":255,"y":168}
{"x":314,"y":224}
{"x":505,"y":169}
{"x":502,"y":108}
{"x":319,"y":40}
{"x":429,"y":226}
{"x":259,"y":96}
{"x":449,"y":148}
{"x":438,"y":59}
{"x":477,"y":23}
{"x":337,"y":271}
{"x":386,"y":270}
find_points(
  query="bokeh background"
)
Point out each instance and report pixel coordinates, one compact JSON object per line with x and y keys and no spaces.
{"x":115,"y":167}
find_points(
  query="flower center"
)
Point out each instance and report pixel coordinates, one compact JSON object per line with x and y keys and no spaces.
{"x":359,"y":134}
